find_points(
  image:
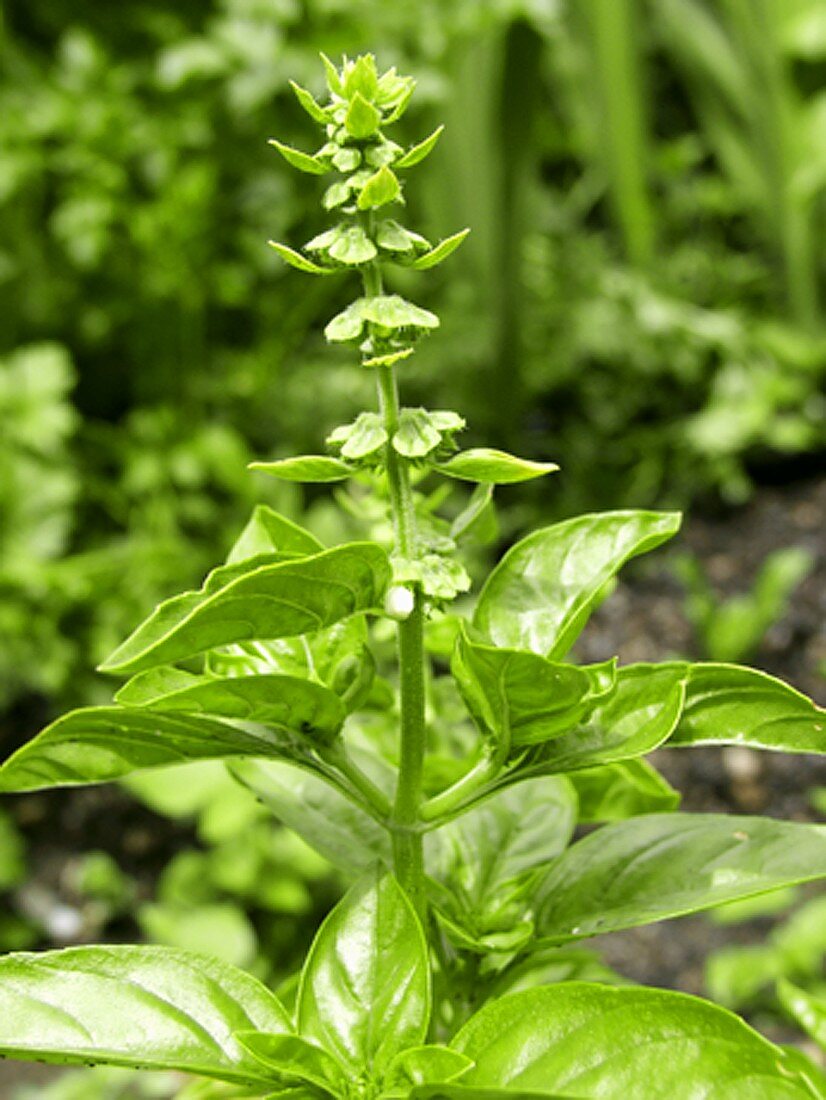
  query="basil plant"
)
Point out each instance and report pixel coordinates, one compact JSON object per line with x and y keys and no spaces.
{"x":447,"y":773}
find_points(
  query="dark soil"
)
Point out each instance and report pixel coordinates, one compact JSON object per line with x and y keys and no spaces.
{"x":642,"y":620}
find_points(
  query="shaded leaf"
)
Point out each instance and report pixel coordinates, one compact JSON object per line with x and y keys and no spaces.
{"x":541,"y":593}
{"x":294,"y":1058}
{"x":614,"y":792}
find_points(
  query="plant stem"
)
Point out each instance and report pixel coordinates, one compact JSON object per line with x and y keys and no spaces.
{"x":405,"y":819}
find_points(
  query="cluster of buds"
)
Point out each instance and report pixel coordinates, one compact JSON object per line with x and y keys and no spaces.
{"x":361,"y":103}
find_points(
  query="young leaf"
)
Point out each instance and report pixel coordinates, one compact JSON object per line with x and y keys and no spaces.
{"x":420,"y":151}
{"x":313,"y":468}
{"x":321,"y":815}
{"x":441,"y":252}
{"x":614,"y":792}
{"x":308,"y":102}
{"x":806,"y":1009}
{"x":268,"y":530}
{"x":362,"y":78}
{"x":273,"y":601}
{"x":730,"y":705}
{"x":296,"y":260}
{"x":333,"y":78}
{"x":303,"y":161}
{"x":541,"y":593}
{"x":393,"y":312}
{"x":293,"y":1058}
{"x":362,"y":119}
{"x":284,"y":702}
{"x":382,"y":188}
{"x":425,"y":1065}
{"x":493,"y":467}
{"x":586,"y":1040}
{"x":97,"y":744}
{"x":365,"y":987}
{"x":635,"y":718}
{"x":416,"y":435}
{"x":151,"y":1007}
{"x":488,"y":859}
{"x":665,"y":865}
{"x":352,"y":246}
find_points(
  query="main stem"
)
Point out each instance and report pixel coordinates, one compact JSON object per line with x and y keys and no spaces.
{"x":405,"y":819}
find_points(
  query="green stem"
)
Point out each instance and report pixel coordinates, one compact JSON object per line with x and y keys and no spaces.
{"x":405,"y":818}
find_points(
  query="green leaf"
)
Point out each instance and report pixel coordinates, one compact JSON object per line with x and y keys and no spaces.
{"x":665,"y":865}
{"x":395,"y":238}
{"x":635,"y":718}
{"x":362,"y":438}
{"x":478,"y":1092}
{"x":333,"y":79}
{"x":586,"y":1040}
{"x":730,"y":705}
{"x":352,"y":246}
{"x":346,"y":325}
{"x":308,"y":102}
{"x":416,"y":435}
{"x":320,"y":814}
{"x":614,"y":792}
{"x":423,"y":1065}
{"x":420,"y":151}
{"x":519,"y":697}
{"x":284,"y":702}
{"x":96,"y":744}
{"x":362,"y":119}
{"x":303,"y":161}
{"x":362,"y":78}
{"x":337,"y":194}
{"x":541,"y":593}
{"x":296,"y":260}
{"x":392,"y":312}
{"x":273,"y":601}
{"x":314,"y":468}
{"x":806,"y":1009}
{"x":268,"y":530}
{"x":382,"y":188}
{"x":151,"y":1007}
{"x":493,"y":467}
{"x":441,"y":252}
{"x":365,"y":987}
{"x":294,"y":1058}
{"x":488,"y":860}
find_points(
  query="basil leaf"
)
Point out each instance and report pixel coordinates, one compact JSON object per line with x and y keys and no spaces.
{"x":294,"y":1058}
{"x":541,"y":593}
{"x":284,"y":702}
{"x":471,"y":1092}
{"x":308,"y":102}
{"x":321,"y":815}
{"x":362,"y":119}
{"x":296,"y":260}
{"x":420,"y":151}
{"x":587,"y":1040}
{"x":302,"y":161}
{"x":266,"y":531}
{"x":614,"y":792}
{"x":310,"y":468}
{"x":635,"y":718}
{"x":731,"y":705}
{"x":382,"y":188}
{"x":365,"y":987}
{"x":520,"y":697}
{"x":151,"y":1007}
{"x":273,"y":601}
{"x":665,"y":865}
{"x":441,"y":252}
{"x":97,"y":744}
{"x":425,"y":1064}
{"x":488,"y":466}
{"x":487,"y":862}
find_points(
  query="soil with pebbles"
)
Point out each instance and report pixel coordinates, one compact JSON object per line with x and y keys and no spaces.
{"x":642,"y":620}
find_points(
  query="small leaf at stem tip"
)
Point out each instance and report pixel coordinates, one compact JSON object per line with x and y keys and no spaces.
{"x":493,"y":467}
{"x":308,"y":102}
{"x":296,"y":260}
{"x":303,"y":161}
{"x":362,"y":77}
{"x":441,"y":252}
{"x":381,"y":189}
{"x":314,"y":468}
{"x":362,"y":119}
{"x":333,"y":78}
{"x":420,"y":151}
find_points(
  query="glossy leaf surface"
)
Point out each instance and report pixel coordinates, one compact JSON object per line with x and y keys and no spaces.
{"x":318,"y":812}
{"x":294,"y":1058}
{"x":134,"y":1006}
{"x":731,"y":705}
{"x":365,"y":987}
{"x":665,"y":865}
{"x":587,"y":1040}
{"x":492,"y":467}
{"x":614,"y":792}
{"x":273,"y":601}
{"x":97,"y":744}
{"x":540,"y":595}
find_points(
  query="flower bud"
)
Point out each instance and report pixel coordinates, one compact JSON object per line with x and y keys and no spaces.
{"x":399,"y":602}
